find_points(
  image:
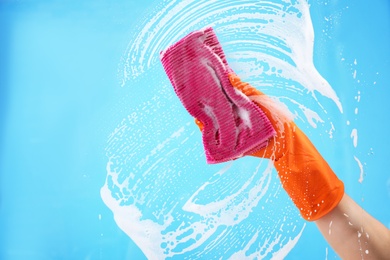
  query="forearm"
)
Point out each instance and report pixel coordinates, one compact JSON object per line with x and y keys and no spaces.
{"x":353,"y":233}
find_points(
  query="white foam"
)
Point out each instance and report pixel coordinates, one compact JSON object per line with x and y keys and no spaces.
{"x":273,"y":39}
{"x":354,"y":136}
{"x":295,"y":30}
{"x":145,"y":233}
{"x":361,"y":177}
{"x":283,"y":251}
{"x":331,"y":130}
{"x":245,"y":116}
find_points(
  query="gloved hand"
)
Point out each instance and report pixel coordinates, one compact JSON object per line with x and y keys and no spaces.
{"x":304,"y":174}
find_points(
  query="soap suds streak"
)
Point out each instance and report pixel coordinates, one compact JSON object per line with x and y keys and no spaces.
{"x":361,"y":175}
{"x":354,"y":136}
{"x":258,"y":22}
{"x":161,"y":192}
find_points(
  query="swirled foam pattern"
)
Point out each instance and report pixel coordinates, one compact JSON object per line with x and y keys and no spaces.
{"x":162,"y":193}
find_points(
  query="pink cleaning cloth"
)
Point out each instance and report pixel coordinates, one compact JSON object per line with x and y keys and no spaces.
{"x":234,"y":126}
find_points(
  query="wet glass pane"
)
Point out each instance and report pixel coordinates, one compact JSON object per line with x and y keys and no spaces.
{"x":100,"y":160}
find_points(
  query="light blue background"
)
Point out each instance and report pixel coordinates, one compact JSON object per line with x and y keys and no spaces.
{"x":59,"y":80}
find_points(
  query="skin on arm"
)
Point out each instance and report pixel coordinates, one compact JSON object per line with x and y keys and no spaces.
{"x":353,"y":233}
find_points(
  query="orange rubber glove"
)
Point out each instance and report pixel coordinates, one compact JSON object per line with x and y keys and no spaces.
{"x":304,"y":174}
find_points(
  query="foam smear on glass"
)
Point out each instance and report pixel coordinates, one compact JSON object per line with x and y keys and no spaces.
{"x":158,"y":186}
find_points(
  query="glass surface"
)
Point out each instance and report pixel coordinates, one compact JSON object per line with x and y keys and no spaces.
{"x":99,"y":159}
